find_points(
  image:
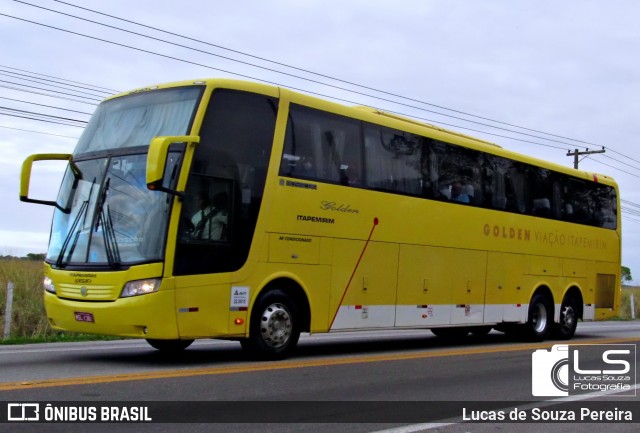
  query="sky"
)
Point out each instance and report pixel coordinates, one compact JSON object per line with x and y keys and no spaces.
{"x":570,"y":69}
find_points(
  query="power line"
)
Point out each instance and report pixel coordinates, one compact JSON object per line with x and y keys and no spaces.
{"x":632,"y":214}
{"x":291,"y":87}
{"x":40,"y":120}
{"x":41,"y":114}
{"x":302,"y":70}
{"x":299,"y":77}
{"x":46,"y":84}
{"x":254,"y":78}
{"x":622,"y":162}
{"x":630,"y":203}
{"x":165,"y":31}
{"x":62,"y":79}
{"x":631,"y":211}
{"x":37,"y":132}
{"x":626,"y":156}
{"x":476,"y":130}
{"x":45,"y":94}
{"x":44,"y":105}
{"x":46,"y":81}
{"x":616,"y":168}
{"x":50,"y":90}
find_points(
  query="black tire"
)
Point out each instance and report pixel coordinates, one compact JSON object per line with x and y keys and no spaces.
{"x":540,"y":318}
{"x":568,"y":320}
{"x":169,"y":346}
{"x":274,"y":329}
{"x":453,"y":333}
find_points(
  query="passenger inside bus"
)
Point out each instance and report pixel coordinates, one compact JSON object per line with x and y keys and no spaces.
{"x":457,"y":193}
{"x":210,"y":221}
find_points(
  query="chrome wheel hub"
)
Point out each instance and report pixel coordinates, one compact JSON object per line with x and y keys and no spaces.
{"x":539,"y":318}
{"x":275,"y":326}
{"x":567,"y":317}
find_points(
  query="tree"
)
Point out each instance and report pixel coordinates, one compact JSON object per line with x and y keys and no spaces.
{"x":626,"y":275}
{"x":38,"y":257}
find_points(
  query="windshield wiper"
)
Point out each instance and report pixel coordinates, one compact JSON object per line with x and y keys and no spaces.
{"x":110,"y":242}
{"x":108,"y":234}
{"x":73,"y":233}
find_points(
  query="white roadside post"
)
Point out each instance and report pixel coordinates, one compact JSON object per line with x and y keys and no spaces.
{"x":7,"y":314}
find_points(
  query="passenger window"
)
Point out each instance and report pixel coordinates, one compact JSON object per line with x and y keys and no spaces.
{"x":322,"y":146}
{"x":458,"y":174}
{"x":394,"y":160}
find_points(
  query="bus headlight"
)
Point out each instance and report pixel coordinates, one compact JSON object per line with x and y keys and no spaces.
{"x":140,"y":287}
{"x":48,"y":285}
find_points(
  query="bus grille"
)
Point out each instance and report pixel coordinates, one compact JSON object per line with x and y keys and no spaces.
{"x":88,"y":292}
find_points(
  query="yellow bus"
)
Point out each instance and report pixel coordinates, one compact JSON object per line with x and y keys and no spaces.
{"x":236,"y":210}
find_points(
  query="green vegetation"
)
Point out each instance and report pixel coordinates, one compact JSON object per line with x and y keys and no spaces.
{"x":625,"y":303}
{"x":626,"y":275}
{"x":29,"y":324}
{"x":29,"y":320}
{"x":57,"y":337}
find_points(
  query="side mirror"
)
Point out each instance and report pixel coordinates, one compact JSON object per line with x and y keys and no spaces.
{"x":25,"y":176}
{"x":157,"y":160}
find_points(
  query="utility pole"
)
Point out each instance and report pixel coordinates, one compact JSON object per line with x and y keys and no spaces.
{"x":576,"y":153}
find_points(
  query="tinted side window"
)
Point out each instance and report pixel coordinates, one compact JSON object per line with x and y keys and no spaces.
{"x":331,"y":148}
{"x":458,"y":173}
{"x":605,"y":206}
{"x":588,"y":203}
{"x":322,"y":146}
{"x":394,"y":160}
{"x":226,"y":184}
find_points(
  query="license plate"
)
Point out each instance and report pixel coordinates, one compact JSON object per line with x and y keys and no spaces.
{"x":84,"y":317}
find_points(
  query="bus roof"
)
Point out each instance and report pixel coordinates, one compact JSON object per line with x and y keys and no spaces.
{"x":419,"y":123}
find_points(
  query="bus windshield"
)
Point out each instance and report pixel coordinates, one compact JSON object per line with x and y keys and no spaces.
{"x":113,"y":219}
{"x":135,"y":119}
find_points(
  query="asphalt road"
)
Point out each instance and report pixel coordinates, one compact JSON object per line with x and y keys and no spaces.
{"x":363,"y":378}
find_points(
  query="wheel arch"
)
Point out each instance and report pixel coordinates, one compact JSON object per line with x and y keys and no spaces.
{"x":292,"y":287}
{"x":544,"y":289}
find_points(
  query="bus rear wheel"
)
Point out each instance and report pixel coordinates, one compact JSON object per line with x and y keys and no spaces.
{"x":169,"y":346}
{"x":566,"y":326}
{"x":274,"y":329}
{"x":540,"y":319}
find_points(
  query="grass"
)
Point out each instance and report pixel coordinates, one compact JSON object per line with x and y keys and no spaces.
{"x":29,"y":319}
{"x":625,"y":303}
{"x":57,"y":337}
{"x":29,"y":322}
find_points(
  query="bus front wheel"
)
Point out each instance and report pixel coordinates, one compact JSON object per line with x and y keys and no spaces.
{"x":274,"y":329}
